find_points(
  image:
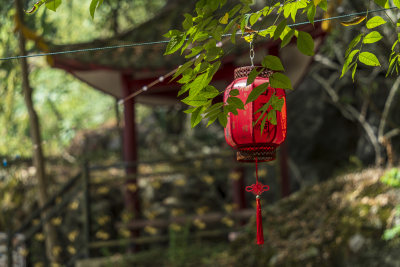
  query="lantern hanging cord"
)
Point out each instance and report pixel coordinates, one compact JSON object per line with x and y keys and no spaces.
{"x":167,"y":41}
{"x":256,"y":171}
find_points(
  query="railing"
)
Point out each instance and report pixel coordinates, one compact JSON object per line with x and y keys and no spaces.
{"x":81,"y":186}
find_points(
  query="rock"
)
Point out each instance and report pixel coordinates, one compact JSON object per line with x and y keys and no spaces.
{"x":356,"y":242}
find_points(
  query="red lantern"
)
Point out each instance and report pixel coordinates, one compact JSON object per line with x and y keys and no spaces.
{"x":243,"y":131}
{"x":240,"y":131}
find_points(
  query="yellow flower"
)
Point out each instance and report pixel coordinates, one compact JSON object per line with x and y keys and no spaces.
{"x":150,"y":230}
{"x":103,"y":219}
{"x":125,"y":233}
{"x":156,"y":184}
{"x":56,"y":250}
{"x":73,"y":235}
{"x":199,"y":224}
{"x":202,"y":210}
{"x":177,"y":212}
{"x":234,"y":176}
{"x":38,"y":264}
{"x":74,"y":205}
{"x":208,"y":179}
{"x":39,"y":237}
{"x":102,"y":235}
{"x":228,"y":221}
{"x":132,"y":187}
{"x":103,"y":190}
{"x":56,"y":221}
{"x":180,"y":182}
{"x":175,"y":227}
{"x":71,"y":250}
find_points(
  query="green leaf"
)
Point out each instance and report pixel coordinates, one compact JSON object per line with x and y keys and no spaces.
{"x":54,"y":4}
{"x":353,"y":72}
{"x":195,"y":51}
{"x":311,"y":13}
{"x":287,"y":8}
{"x":234,"y":10}
{"x":316,"y":2}
{"x":214,"y":107}
{"x":198,"y":84}
{"x":262,"y":124}
{"x":174,"y":43}
{"x":391,"y":65}
{"x":277,"y":103}
{"x":235,"y":102}
{"x":372,"y":37}
{"x":196,"y":116}
{"x":348,"y":61}
{"x":188,"y":22}
{"x":253,"y":75}
{"x":382,"y":3}
{"x":353,"y":43}
{"x":230,"y":108}
{"x":272,"y":116}
{"x":209,"y":92}
{"x":305,"y":43}
{"x":94,"y":4}
{"x":244,"y":22}
{"x":288,"y":37}
{"x":211,"y":120}
{"x":324,"y":5}
{"x":190,"y":110}
{"x":369,"y":59}
{"x":234,"y":92}
{"x":273,"y":63}
{"x":256,"y":92}
{"x":195,"y":101}
{"x":279,"y":80}
{"x":224,"y":19}
{"x":230,"y":25}
{"x":182,"y":68}
{"x":270,"y":31}
{"x":222,"y":119}
{"x":375,"y":21}
{"x":279,"y":29}
{"x":397,"y":3}
{"x":254,"y":17}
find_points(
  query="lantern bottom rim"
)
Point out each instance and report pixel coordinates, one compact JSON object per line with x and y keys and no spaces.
{"x":262,"y":155}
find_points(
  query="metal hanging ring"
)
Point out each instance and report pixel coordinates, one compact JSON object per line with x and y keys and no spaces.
{"x":252,"y":54}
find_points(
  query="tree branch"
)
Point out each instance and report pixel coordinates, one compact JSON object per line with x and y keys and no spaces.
{"x":347,"y":110}
{"x":387,"y":107}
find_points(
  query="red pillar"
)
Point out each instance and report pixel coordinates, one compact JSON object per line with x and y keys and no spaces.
{"x":239,"y":197}
{"x":132,"y":199}
{"x":283,"y":164}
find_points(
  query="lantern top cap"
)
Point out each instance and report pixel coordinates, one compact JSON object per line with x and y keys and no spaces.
{"x":245,"y":71}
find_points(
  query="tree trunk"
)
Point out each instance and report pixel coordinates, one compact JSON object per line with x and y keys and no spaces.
{"x":38,"y":158}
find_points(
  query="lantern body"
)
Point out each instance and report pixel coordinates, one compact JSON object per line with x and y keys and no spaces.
{"x":241,"y":131}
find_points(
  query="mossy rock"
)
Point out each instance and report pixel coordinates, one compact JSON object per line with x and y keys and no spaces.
{"x":336,"y":223}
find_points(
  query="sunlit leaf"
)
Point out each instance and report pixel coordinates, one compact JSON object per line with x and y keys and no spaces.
{"x":94,"y":4}
{"x":372,"y":37}
{"x":369,"y":59}
{"x":375,"y":21}
{"x":224,"y":19}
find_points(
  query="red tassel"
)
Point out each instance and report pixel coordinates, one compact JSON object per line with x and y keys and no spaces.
{"x":260,"y":234}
